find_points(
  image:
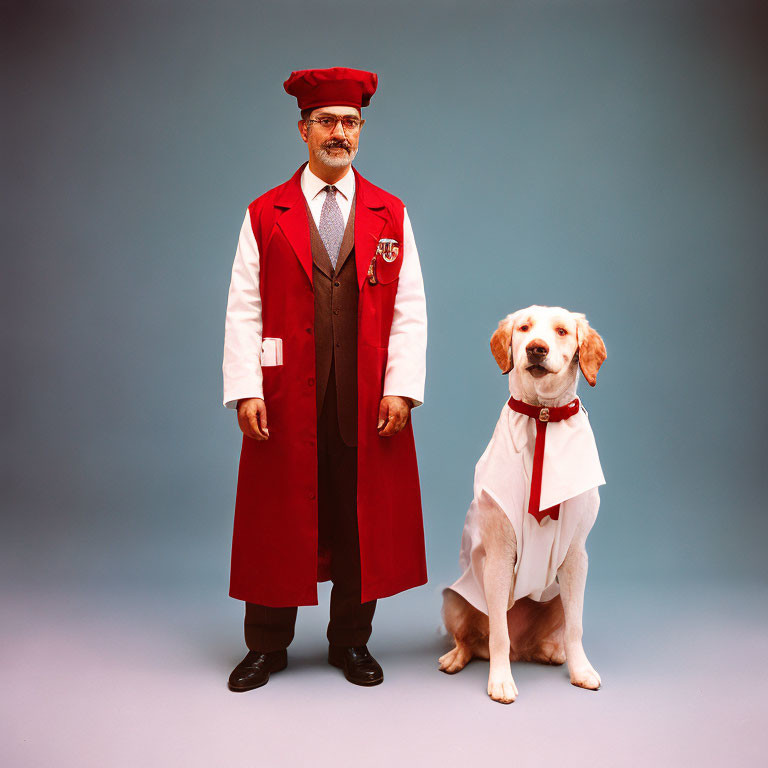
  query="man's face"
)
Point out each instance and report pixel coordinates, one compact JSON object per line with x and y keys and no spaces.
{"x":330,"y":142}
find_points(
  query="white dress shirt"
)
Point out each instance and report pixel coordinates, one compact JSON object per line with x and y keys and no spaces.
{"x":406,"y":362}
{"x":313,"y":187}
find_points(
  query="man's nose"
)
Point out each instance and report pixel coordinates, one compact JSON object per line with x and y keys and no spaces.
{"x":338,"y":131}
{"x":536,"y":350}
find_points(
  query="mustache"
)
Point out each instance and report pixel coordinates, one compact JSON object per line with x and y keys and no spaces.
{"x":335,"y":143}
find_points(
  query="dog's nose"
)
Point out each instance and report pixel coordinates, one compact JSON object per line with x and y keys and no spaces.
{"x":537,"y":350}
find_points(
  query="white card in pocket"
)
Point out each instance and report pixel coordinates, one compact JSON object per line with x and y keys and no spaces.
{"x":271,"y":352}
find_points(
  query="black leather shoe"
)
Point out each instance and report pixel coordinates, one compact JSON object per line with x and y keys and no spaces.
{"x":253,"y":671}
{"x":359,"y":666}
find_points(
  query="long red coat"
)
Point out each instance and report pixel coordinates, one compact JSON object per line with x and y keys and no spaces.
{"x":275,"y":549}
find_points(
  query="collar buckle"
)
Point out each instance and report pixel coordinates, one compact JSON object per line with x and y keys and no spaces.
{"x":544,"y":414}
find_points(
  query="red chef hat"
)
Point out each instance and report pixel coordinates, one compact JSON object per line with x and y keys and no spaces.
{"x":333,"y":87}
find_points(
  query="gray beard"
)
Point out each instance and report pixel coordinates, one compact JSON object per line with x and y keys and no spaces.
{"x":335,"y":161}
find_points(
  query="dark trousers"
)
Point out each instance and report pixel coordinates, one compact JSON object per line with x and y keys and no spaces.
{"x":271,"y":629}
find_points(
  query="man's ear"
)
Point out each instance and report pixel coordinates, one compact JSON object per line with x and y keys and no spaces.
{"x":501,"y":344}
{"x":303,"y":129}
{"x":592,"y":352}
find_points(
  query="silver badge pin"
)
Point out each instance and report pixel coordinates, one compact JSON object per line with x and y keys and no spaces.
{"x":388,"y":249}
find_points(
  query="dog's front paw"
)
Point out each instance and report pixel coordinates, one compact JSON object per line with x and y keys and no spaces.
{"x":585,"y":676}
{"x":501,"y":687}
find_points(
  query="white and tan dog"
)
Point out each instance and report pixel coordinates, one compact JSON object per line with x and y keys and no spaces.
{"x":524,"y":561}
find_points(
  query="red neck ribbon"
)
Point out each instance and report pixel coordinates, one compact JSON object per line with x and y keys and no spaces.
{"x":543,"y":416}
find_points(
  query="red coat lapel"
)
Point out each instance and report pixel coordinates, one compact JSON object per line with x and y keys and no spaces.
{"x":370,"y":220}
{"x":293,"y":220}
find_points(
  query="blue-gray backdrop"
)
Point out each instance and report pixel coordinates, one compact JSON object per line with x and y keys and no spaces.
{"x":607,"y":155}
{"x":610,"y":157}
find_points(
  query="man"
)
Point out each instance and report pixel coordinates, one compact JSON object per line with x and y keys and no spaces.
{"x":324,"y":357}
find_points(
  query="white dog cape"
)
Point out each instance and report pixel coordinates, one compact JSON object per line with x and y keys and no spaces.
{"x":571,"y":476}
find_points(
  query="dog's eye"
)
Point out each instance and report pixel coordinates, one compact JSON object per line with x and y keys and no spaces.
{"x":562,"y":332}
{"x":523,"y":327}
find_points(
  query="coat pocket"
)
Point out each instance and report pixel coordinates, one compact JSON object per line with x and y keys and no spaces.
{"x":271,"y":352}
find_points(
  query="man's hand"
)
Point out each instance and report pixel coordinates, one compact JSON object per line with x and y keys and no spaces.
{"x":252,"y":418}
{"x":393,"y":415}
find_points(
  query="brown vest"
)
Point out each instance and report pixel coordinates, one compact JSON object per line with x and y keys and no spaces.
{"x":336,"y":295}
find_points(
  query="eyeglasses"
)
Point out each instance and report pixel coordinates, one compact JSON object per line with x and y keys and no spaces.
{"x":348,"y":122}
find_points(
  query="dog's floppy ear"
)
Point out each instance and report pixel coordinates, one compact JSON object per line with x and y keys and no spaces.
{"x":591,"y":350}
{"x":501,"y":344}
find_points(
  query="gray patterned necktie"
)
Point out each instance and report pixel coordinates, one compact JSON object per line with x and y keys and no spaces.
{"x":331,"y":225}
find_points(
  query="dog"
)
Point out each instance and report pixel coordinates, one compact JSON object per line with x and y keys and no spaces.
{"x":523,"y":554}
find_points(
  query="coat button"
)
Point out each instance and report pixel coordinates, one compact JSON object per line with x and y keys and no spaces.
{"x":309,"y":330}
{"x":311,"y":381}
{"x":337,"y":283}
{"x":311,"y":495}
{"x":335,"y":311}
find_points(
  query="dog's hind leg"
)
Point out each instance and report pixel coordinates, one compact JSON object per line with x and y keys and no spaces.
{"x":498,"y":579}
{"x":456,"y":659}
{"x":536,"y":631}
{"x":551,"y":650}
{"x":469,"y":628}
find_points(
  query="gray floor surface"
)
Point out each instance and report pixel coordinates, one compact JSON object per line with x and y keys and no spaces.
{"x":104,"y":678}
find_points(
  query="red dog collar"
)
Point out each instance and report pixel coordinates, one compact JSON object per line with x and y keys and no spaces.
{"x":543,"y":416}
